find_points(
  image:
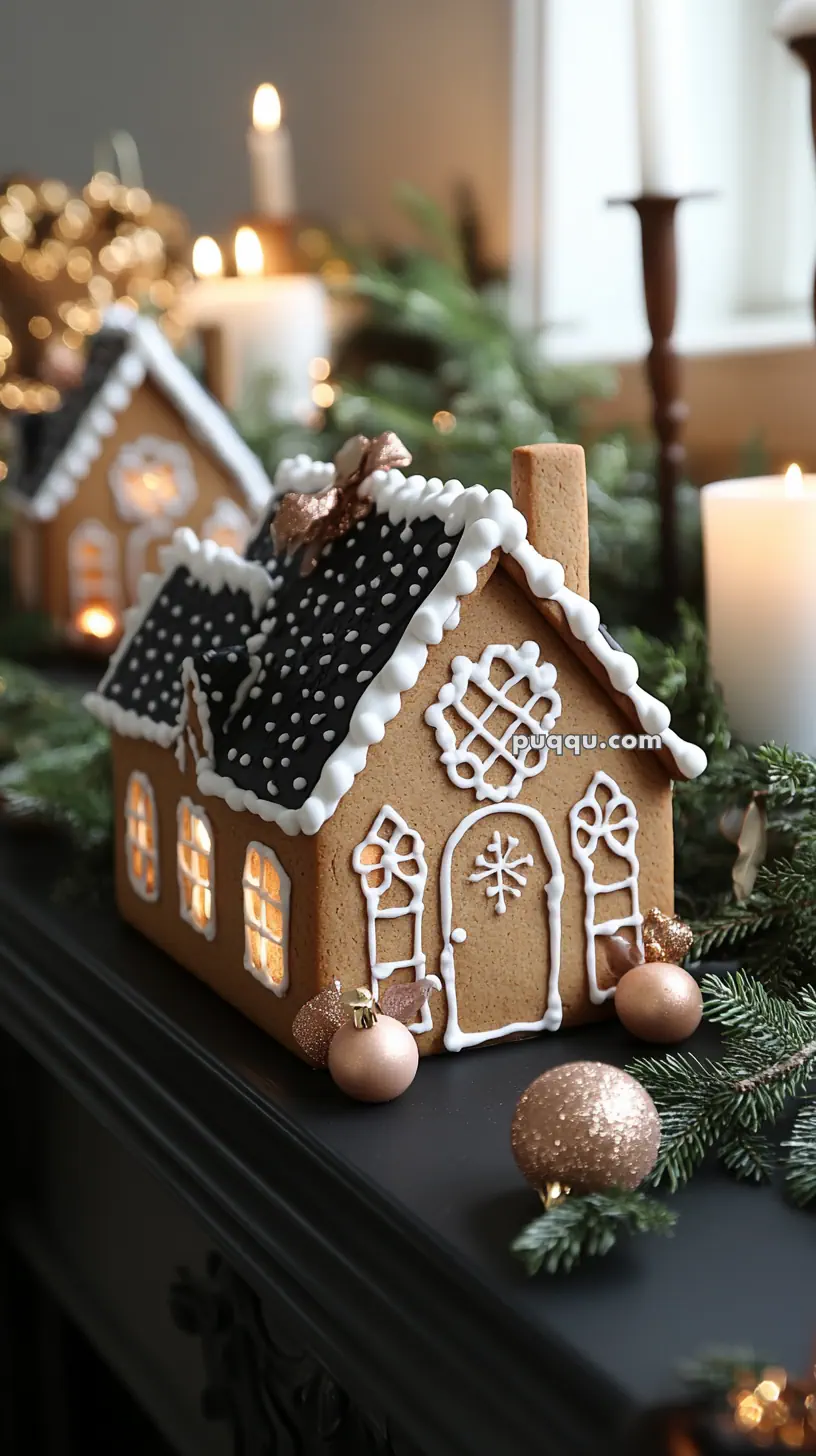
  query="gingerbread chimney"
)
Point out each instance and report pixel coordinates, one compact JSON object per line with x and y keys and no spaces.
{"x":549,"y":488}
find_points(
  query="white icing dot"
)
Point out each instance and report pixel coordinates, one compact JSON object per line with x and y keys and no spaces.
{"x":304,"y":669}
{"x":396,"y":569}
{"x":290,"y":617}
{"x":295,"y":718}
{"x":329,"y":735}
{"x":232,"y":657}
{"x":339,"y":702}
{"x":388,"y":556}
{"x":389,"y":599}
{"x":267,"y":763}
{"x":375,"y":581}
{"x":339,"y":607}
{"x":216,"y":642}
{"x":364,"y":675}
{"x":365,"y":648}
{"x":328,"y":637}
{"x":384,"y":627}
{"x":342,"y":667}
{"x":323,"y":660}
{"x":318,"y":697}
{"x":269,"y":727}
{"x":247,"y":721}
{"x":384,"y":530}
{"x":317,"y":718}
{"x":299,"y":783}
{"x":271,"y":789}
{"x":284,"y":738}
{"x":244,"y":759}
{"x":230,"y":617}
{"x":276,"y":698}
{"x":352,"y":635}
{"x":196,"y":643}
{"x":255,"y":692}
{"x":359,"y":591}
{"x":285,"y":762}
{"x":445,"y":549}
{"x":422,"y":571}
{"x":322,"y":599}
{"x":175,"y":611}
{"x":217,"y":697}
{"x":290,"y":652}
{"x":407,"y":534}
{"x":360,"y":562}
{"x":359,"y":612}
{"x":233,"y":753}
{"x":417,"y":549}
{"x":298,"y":743}
{"x":285,"y":670}
{"x":414,"y":589}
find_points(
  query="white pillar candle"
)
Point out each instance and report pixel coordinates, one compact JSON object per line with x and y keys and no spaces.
{"x":664,"y":119}
{"x":270,"y":157}
{"x":759,"y":540}
{"x":794,"y":19}
{"x":269,"y":327}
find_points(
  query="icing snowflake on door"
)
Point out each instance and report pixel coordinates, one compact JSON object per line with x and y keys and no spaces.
{"x":492,"y":729}
{"x":499,"y":866}
{"x":610,"y":820}
{"x":392,"y":854}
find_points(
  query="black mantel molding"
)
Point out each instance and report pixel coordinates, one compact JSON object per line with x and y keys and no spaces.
{"x":380,"y":1233}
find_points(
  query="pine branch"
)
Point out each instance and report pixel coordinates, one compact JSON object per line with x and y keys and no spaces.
{"x":801,"y":1166}
{"x":730,"y":1104}
{"x":585,"y":1225}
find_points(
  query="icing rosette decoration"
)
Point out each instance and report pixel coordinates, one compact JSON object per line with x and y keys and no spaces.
{"x":309,"y":520}
{"x":658,"y":1000}
{"x":365,"y":1043}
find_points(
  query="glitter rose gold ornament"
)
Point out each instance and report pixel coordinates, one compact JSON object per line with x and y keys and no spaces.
{"x":582,"y":1128}
{"x":659,"y":1002}
{"x":373,"y":1058}
{"x":665,"y":937}
{"x":310,"y":521}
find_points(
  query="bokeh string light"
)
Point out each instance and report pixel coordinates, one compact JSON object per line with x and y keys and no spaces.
{"x":64,"y":258}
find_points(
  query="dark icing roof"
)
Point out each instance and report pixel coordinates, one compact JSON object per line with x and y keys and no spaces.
{"x":185,"y":617}
{"x":40,"y":439}
{"x":331,"y":633}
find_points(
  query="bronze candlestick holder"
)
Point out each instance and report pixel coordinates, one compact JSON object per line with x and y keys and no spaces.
{"x":656,"y":214}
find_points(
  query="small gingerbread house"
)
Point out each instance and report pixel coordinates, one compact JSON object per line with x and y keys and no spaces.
{"x":407,"y":748}
{"x":136,"y":450}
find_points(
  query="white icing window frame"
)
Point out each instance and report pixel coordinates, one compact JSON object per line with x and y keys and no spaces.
{"x":523,"y":664}
{"x":389,"y":865}
{"x":134,"y":456}
{"x":134,"y":818}
{"x":251,"y":925}
{"x":186,"y":876}
{"x":227,"y":515}
{"x":602,"y":829}
{"x":107,"y":591}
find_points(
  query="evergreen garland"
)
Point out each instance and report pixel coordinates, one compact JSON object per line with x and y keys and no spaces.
{"x":586,"y":1225}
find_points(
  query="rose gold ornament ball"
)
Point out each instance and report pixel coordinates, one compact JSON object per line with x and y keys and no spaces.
{"x":659,"y":1002}
{"x":587,"y":1125}
{"x":375,"y":1064}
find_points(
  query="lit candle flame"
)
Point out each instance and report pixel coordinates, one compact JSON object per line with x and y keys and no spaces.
{"x":266,"y":108}
{"x":249,"y":258}
{"x":207,"y":259}
{"x":96,"y":621}
{"x":794,"y":484}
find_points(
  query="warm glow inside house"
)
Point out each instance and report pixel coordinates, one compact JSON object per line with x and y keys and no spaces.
{"x":136,"y":450}
{"x":344,"y":767}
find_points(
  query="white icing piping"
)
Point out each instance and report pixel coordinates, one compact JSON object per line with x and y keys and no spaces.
{"x":601,"y":828}
{"x":216,"y":567}
{"x":304,"y":475}
{"x":149,"y":353}
{"x":393,"y":863}
{"x":488,"y":521}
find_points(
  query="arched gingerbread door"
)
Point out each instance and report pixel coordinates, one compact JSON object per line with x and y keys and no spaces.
{"x":499,"y":859}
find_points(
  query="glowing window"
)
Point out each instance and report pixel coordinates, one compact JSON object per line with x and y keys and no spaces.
{"x":195,"y":868}
{"x":266,"y":918}
{"x":141,"y":840}
{"x":152,"y":478}
{"x":93,"y":573}
{"x":227,"y":526}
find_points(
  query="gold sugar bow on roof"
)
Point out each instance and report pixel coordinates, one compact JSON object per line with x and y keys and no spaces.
{"x":313,"y":520}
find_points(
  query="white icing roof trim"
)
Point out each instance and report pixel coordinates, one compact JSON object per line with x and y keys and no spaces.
{"x":215,"y":567}
{"x":305,"y":475}
{"x":487,"y":520}
{"x":148,"y":354}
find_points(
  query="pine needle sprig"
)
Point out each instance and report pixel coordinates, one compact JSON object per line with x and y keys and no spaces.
{"x":587,"y":1225}
{"x":800,"y":1177}
{"x":730,"y":1105}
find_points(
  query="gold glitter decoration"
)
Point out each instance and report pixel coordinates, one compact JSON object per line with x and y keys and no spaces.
{"x":587,"y":1125}
{"x":665,"y":937}
{"x":311,"y":521}
{"x":316,"y":1023}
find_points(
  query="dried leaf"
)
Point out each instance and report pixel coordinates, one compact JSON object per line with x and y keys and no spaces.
{"x":752,"y":847}
{"x":405,"y":1001}
{"x":316,"y":1023}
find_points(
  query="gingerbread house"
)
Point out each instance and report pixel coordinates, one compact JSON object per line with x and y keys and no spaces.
{"x":136,"y":450}
{"x":409,"y":751}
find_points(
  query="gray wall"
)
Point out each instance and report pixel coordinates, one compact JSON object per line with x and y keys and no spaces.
{"x":374,"y":90}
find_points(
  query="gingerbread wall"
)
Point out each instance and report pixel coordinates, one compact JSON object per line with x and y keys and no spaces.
{"x":502,"y":965}
{"x":149,"y":413}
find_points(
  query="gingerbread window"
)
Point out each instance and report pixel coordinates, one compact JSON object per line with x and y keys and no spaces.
{"x":93,"y":579}
{"x":195,"y":863}
{"x":151,"y":477}
{"x":227,"y":526}
{"x":141,"y":837}
{"x":266,"y":888}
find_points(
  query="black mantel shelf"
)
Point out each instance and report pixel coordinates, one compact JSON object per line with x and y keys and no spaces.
{"x":384,"y":1230}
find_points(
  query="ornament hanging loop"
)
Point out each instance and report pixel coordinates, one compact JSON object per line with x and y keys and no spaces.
{"x":363,"y":1007}
{"x":553,"y":1193}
